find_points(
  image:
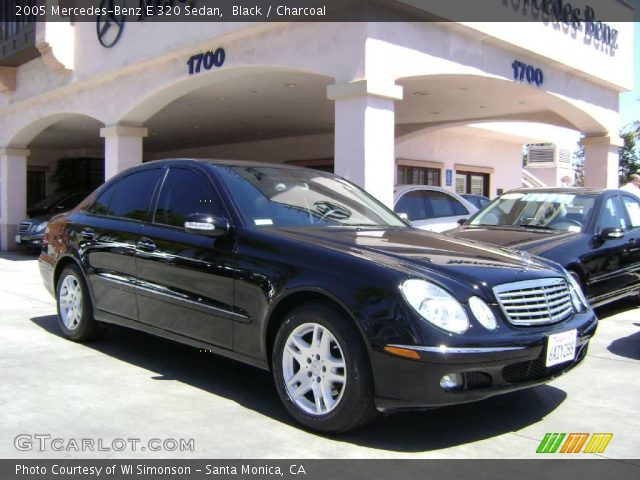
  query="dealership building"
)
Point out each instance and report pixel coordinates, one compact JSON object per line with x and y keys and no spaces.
{"x":380,"y":103}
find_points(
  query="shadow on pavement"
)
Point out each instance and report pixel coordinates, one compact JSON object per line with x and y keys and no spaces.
{"x":254,"y":389}
{"x":619,"y":306}
{"x":628,"y":346}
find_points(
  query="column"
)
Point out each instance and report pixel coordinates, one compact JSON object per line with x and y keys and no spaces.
{"x":122,"y":148}
{"x":364,"y":148}
{"x":601,"y":161}
{"x":13,"y":194}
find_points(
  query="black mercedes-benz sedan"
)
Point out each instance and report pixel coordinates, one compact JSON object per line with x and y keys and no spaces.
{"x":593,"y":233}
{"x":303,"y":273}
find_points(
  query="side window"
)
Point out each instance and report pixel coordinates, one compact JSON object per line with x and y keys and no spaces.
{"x":133,"y":193}
{"x":633,"y":210}
{"x":185,"y":192}
{"x":612,"y":215}
{"x":412,"y":203}
{"x":101,"y":205}
{"x":443,"y":205}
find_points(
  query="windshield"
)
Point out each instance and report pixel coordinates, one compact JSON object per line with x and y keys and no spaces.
{"x":272,"y":196}
{"x":50,"y":201}
{"x":555,"y":211}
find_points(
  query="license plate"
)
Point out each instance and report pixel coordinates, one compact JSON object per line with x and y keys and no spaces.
{"x":561,"y":347}
{"x":18,"y":238}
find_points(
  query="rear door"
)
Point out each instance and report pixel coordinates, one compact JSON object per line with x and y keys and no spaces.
{"x":608,"y":261}
{"x":108,"y":233}
{"x":186,"y":281}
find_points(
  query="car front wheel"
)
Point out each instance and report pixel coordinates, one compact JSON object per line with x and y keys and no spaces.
{"x":321,"y":370}
{"x":75,"y":312}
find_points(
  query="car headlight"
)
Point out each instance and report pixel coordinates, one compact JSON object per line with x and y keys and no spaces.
{"x":483,"y":313}
{"x":40,"y":227}
{"x":435,"y":305}
{"x":578,"y":299}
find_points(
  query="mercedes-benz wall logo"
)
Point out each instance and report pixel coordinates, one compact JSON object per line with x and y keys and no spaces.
{"x":109,"y":25}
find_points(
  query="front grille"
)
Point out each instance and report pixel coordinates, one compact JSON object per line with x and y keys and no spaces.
{"x":536,"y":370}
{"x":24,"y":227}
{"x":535,"y":302}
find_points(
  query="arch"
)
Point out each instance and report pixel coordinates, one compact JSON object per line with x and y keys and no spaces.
{"x":445,"y":100}
{"x":25,"y":134}
{"x":164,"y":95}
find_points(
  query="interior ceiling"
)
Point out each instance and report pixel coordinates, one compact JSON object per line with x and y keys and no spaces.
{"x":285,"y":104}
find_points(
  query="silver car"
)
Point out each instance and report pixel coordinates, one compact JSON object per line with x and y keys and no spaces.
{"x":431,"y":208}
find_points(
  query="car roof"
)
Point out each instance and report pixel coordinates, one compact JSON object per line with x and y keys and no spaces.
{"x":574,"y":190}
{"x":224,"y":162}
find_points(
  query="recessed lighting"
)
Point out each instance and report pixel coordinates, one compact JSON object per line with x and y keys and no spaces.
{"x":196,"y":127}
{"x":254,"y":91}
{"x":222,"y":99}
{"x":434,"y":113}
{"x":421,"y":93}
{"x":290,"y":84}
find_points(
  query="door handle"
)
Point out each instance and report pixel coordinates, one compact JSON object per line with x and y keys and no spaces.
{"x":87,"y":234}
{"x":146,"y":245}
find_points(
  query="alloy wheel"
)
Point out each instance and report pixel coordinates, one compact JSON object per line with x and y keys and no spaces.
{"x":314,"y":369}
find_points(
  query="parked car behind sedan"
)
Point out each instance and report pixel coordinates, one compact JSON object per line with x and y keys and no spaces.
{"x":478,"y":201}
{"x":302,"y":273}
{"x":431,"y":208}
{"x":593,"y":233}
{"x":31,"y":230}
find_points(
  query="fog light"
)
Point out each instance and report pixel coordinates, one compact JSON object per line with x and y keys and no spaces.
{"x":452,"y":381}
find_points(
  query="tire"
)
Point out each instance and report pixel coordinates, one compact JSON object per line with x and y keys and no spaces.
{"x":327,"y":387}
{"x":75,"y":310}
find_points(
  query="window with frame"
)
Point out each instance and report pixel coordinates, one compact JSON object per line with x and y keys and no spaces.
{"x":632,"y":206}
{"x":185,"y":192}
{"x":475,"y":183}
{"x":612,"y":215}
{"x":408,"y":175}
{"x":129,"y":197}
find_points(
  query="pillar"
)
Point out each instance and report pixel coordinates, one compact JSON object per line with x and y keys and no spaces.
{"x":122,"y":148}
{"x":364,"y":149}
{"x":13,"y":194}
{"x":601,"y":161}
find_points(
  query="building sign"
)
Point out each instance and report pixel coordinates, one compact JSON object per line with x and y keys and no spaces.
{"x":448,"y":175}
{"x":527,"y":73}
{"x":565,"y":12}
{"x":206,"y":60}
{"x":113,"y":13}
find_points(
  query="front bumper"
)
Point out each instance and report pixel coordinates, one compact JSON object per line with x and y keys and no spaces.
{"x":29,"y":240}
{"x":486,"y":370}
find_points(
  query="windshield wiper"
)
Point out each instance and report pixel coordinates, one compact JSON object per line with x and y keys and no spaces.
{"x":541,"y":227}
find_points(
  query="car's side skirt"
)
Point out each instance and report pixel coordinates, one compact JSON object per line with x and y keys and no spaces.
{"x":125,"y":322}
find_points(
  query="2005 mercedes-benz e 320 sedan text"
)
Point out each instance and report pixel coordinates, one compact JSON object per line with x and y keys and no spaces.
{"x":303,"y":273}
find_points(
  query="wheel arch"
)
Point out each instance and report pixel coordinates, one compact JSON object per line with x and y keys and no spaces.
{"x":298,"y":297}
{"x":61,"y":264}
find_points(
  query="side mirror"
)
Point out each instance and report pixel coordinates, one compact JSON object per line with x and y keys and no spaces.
{"x":206,"y":225}
{"x":611,"y":232}
{"x":462,"y":221}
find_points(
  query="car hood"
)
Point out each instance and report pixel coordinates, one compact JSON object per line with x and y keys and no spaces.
{"x":534,"y":241}
{"x":416,"y":251}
